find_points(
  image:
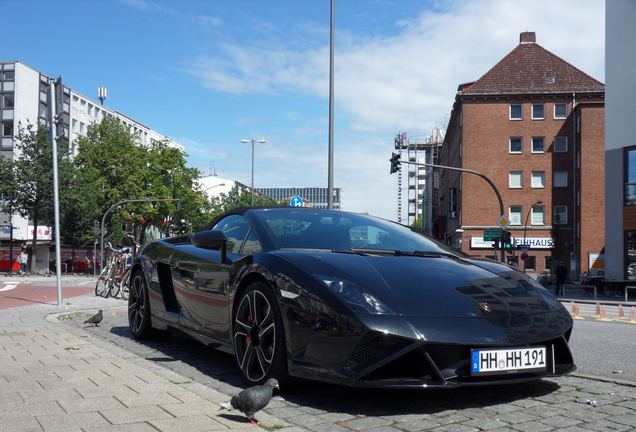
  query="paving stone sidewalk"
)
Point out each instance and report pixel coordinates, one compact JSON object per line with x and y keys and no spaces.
{"x":59,"y":378}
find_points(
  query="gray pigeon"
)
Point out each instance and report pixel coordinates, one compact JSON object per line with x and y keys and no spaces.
{"x":95,"y":319}
{"x":252,"y":400}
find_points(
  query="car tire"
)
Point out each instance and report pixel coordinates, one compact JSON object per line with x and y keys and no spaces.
{"x":259,"y":337}
{"x":139,"y":319}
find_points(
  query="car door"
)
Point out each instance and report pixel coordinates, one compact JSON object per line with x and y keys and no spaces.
{"x":202,"y":282}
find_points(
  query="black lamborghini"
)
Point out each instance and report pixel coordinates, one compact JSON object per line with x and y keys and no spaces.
{"x":349,"y":299}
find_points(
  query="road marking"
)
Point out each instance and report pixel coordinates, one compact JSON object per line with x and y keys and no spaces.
{"x":9,"y":286}
{"x":85,"y":283}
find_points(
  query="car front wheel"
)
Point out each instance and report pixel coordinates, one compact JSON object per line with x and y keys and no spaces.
{"x":259,"y":339}
{"x":139,"y":307}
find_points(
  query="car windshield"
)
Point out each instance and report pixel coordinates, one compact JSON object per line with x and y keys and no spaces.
{"x":334,"y":230}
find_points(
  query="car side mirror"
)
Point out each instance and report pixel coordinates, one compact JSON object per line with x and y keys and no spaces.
{"x":211,"y":239}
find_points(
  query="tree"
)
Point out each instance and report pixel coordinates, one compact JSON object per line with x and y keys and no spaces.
{"x":113,"y":165}
{"x":78,"y":215}
{"x":238,"y":198}
{"x":31,"y":194}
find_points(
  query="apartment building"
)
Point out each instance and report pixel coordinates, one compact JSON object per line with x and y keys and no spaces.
{"x":534,"y":125}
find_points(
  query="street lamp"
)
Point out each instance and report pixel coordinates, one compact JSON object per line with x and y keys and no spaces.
{"x":207,"y":189}
{"x":525,"y":227}
{"x":253,"y":140}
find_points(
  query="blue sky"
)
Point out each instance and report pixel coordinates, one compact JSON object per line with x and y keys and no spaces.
{"x":210,"y":73}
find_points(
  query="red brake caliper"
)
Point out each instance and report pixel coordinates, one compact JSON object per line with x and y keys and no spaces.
{"x":248,"y":339}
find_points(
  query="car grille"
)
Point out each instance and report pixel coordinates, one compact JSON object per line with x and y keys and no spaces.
{"x":373,"y":346}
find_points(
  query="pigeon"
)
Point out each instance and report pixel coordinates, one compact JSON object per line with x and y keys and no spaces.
{"x":95,"y":319}
{"x":252,"y":400}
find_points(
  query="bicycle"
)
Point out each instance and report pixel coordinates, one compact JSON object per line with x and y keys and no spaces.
{"x":109,"y":279}
{"x":124,"y":287}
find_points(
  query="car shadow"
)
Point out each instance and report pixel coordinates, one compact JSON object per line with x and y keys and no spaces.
{"x":204,"y":364}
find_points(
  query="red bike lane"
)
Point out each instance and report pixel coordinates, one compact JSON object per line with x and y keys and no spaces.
{"x":24,"y":295}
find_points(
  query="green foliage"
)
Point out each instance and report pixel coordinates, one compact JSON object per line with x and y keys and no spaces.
{"x":237,"y":198}
{"x":116,"y":166}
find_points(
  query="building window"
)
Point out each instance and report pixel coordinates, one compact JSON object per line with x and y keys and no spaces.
{"x":7,"y":129}
{"x":516,"y":145}
{"x":560,"y":144}
{"x":6,"y":101}
{"x":560,"y":215}
{"x":630,"y":177}
{"x":538,"y":179}
{"x":530,"y":263}
{"x":516,"y":112}
{"x":75,"y":101}
{"x":515,"y":215}
{"x":578,"y":124}
{"x":90,"y":109}
{"x":560,"y":179}
{"x":560,"y":110}
{"x":83,"y":106}
{"x":9,"y":75}
{"x":538,"y":145}
{"x":42,"y":110}
{"x":538,"y":215}
{"x":81,"y":128}
{"x":538,"y":111}
{"x":516,"y":180}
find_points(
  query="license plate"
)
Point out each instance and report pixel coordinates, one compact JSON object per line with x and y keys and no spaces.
{"x":499,"y":361}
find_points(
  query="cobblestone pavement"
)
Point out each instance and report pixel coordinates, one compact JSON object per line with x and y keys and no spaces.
{"x":572,"y":403}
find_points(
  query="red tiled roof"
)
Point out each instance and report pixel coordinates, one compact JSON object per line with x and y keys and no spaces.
{"x":529,"y":69}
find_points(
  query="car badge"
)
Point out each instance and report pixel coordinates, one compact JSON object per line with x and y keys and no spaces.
{"x":484,"y":306}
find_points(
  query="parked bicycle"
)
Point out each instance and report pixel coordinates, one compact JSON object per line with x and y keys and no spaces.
{"x":124,"y":286}
{"x":108,"y":283}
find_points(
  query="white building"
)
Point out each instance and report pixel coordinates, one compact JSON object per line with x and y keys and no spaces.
{"x":28,"y":96}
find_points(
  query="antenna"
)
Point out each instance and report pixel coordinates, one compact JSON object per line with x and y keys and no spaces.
{"x":101,"y":94}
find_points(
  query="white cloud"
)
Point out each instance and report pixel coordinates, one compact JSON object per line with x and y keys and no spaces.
{"x":387,"y":84}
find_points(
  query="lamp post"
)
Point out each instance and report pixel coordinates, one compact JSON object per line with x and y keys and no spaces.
{"x":525,"y":227}
{"x":253,"y":140}
{"x":207,"y":189}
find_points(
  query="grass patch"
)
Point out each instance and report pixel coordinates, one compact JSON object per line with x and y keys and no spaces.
{"x":272,"y":428}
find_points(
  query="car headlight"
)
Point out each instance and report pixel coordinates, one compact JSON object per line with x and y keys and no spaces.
{"x":356,"y":296}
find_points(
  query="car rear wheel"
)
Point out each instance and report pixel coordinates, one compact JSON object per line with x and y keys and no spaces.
{"x":139,"y":307}
{"x":259,"y":339}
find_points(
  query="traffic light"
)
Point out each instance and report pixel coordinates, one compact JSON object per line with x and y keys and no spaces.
{"x":496,"y":243}
{"x":395,"y":162}
{"x":508,"y":246}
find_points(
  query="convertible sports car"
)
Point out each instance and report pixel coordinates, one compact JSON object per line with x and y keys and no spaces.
{"x":348,"y":299}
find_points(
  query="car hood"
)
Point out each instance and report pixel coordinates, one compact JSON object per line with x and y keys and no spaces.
{"x":434,"y":286}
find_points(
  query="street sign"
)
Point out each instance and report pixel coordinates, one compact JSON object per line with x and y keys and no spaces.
{"x":503,"y":221}
{"x":490,"y":235}
{"x":296,"y":201}
{"x":524,"y":257}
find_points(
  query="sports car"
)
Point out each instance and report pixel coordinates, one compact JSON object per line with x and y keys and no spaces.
{"x":348,"y":299}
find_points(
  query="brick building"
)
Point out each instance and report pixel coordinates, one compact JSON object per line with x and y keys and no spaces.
{"x":534,"y":125}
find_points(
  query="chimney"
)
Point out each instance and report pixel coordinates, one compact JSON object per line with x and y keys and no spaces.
{"x":528,"y":37}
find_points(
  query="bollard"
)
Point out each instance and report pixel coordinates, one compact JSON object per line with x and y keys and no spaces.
{"x":577,"y":311}
{"x":573,"y":308}
{"x":603,"y":315}
{"x":621,"y":312}
{"x":632,"y":316}
{"x":598,"y":310}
